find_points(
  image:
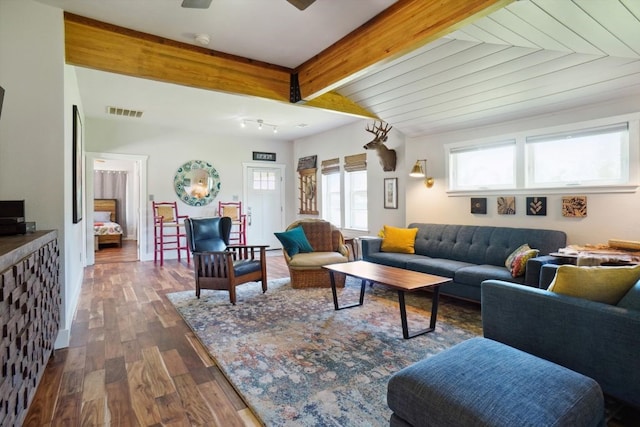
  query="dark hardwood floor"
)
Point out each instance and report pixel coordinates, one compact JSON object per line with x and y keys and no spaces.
{"x":112,"y":253}
{"x":132,"y":361}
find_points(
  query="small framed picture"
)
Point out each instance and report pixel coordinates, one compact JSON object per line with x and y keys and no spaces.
{"x":507,"y":205}
{"x":478,"y":205}
{"x":391,"y":193}
{"x":536,"y":206}
{"x":574,"y":206}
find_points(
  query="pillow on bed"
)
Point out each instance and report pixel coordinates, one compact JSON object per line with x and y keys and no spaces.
{"x":100,"y":216}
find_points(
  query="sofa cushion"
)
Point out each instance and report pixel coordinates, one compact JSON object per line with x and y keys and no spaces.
{"x":476,"y":274}
{"x":482,"y":244}
{"x":631,"y":299}
{"x":392,"y":259}
{"x":315,"y":259}
{"x":602,"y":284}
{"x":437,"y":266}
{"x":294,"y":241}
{"x":401,"y":240}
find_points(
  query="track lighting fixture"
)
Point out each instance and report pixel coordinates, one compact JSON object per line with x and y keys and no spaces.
{"x":261,"y":123}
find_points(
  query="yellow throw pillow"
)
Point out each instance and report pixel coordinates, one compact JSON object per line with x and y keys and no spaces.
{"x":601,"y":284}
{"x":400,"y":240}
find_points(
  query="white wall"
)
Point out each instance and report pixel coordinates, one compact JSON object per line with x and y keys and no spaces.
{"x":611,"y":215}
{"x":35,"y":133}
{"x":345,"y":141}
{"x":169,"y":148}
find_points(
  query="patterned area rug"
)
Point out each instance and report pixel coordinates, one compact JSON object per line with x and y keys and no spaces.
{"x":298,"y":362}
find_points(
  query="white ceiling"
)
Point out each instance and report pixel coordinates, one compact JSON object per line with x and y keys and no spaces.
{"x":532,"y":57}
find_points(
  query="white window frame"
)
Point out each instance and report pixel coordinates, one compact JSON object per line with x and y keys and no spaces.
{"x":631,"y":184}
{"x":623,"y":166}
{"x":326,"y":205}
{"x":481,"y":149}
{"x":348,"y":202}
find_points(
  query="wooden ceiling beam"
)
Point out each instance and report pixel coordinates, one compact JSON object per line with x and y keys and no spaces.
{"x":106,"y":47}
{"x":404,"y":26}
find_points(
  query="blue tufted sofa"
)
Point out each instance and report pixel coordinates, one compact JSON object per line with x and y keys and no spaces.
{"x":469,"y":254}
{"x":595,"y":339}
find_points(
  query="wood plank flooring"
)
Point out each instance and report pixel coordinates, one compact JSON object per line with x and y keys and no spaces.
{"x":132,"y":361}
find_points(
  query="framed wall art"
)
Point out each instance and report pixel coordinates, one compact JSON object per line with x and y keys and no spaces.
{"x":536,"y":206}
{"x":77,"y":166}
{"x":391,"y":193}
{"x":507,"y":205}
{"x":478,"y":205}
{"x":574,"y":206}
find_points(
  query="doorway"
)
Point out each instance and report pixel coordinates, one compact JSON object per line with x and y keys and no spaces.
{"x":264,"y":201}
{"x":132,"y":248}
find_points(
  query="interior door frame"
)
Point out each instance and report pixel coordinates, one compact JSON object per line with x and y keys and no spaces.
{"x":283,"y":181}
{"x":140,"y":162}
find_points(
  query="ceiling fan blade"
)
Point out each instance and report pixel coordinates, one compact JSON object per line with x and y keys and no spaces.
{"x":196,"y":4}
{"x":301,"y":4}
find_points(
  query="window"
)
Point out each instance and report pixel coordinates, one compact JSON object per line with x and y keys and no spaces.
{"x":264,"y":180}
{"x":355,"y":188}
{"x":346,"y":208}
{"x":331,"y":199}
{"x":587,"y":157}
{"x":483,"y":166}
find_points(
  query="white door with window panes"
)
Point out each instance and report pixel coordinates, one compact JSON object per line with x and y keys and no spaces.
{"x":264,"y":201}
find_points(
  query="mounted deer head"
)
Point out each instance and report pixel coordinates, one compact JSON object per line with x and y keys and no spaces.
{"x":387,"y":156}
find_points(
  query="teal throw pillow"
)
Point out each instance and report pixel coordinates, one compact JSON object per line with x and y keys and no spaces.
{"x":294,"y":241}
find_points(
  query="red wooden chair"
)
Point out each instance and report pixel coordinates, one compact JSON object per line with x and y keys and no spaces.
{"x":238,"y":221}
{"x":168,"y":231}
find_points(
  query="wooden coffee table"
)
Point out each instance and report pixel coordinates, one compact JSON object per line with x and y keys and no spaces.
{"x":397,"y":278}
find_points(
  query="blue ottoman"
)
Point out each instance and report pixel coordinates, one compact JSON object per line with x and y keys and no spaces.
{"x":481,"y":382}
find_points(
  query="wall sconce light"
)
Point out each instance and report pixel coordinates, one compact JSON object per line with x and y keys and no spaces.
{"x":261,"y":124}
{"x":419,"y":170}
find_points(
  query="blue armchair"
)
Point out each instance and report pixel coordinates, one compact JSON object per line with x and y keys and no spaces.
{"x":598,"y":340}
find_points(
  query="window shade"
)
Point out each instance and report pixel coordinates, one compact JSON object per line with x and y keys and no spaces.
{"x":357,"y":162}
{"x":330,"y":166}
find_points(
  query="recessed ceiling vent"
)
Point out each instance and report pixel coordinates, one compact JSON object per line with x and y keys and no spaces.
{"x":118,"y":111}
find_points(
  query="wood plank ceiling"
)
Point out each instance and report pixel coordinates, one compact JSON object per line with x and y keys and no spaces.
{"x":423,"y":66}
{"x":529,"y":58}
{"x":402,"y":27}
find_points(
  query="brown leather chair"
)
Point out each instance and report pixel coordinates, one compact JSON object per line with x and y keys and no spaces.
{"x":328,"y":245}
{"x":218,"y":265}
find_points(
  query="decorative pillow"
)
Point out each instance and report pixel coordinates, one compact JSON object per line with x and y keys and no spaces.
{"x":101,"y":216}
{"x":601,"y":284}
{"x":519,"y":263}
{"x":400,"y":240}
{"x":294,"y":241}
{"x":514,"y":254}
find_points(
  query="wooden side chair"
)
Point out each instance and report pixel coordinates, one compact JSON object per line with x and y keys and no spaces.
{"x":219,"y":265}
{"x":238,"y":221}
{"x":168,"y":231}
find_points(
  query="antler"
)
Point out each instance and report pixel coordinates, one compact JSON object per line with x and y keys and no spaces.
{"x":379,"y":131}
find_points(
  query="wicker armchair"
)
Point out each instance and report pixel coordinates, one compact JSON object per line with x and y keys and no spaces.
{"x":328,"y":245}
